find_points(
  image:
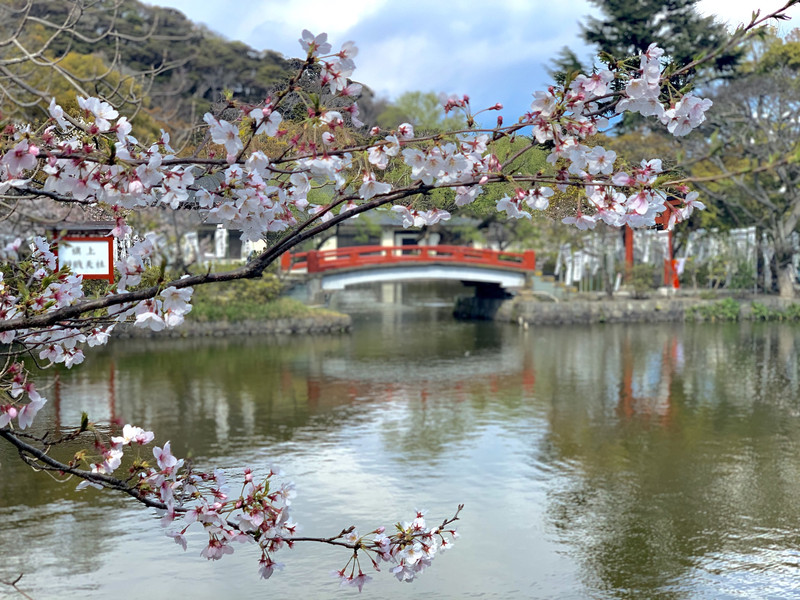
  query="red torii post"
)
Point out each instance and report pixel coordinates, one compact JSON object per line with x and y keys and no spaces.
{"x":662,"y":220}
{"x":628,"y":233}
{"x":670,"y":274}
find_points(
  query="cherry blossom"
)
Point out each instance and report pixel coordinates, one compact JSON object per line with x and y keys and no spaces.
{"x":267,"y":120}
{"x":371,"y":187}
{"x":258,"y":197}
{"x":316,"y":45}
{"x":581,"y":221}
{"x":57,"y":113}
{"x":223,"y":132}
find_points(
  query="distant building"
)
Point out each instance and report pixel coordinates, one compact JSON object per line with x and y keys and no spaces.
{"x":214,"y":243}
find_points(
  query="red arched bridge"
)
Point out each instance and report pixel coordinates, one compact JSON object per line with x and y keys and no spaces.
{"x":339,"y":268}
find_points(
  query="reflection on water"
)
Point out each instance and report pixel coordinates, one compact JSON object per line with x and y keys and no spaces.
{"x":595,"y":462}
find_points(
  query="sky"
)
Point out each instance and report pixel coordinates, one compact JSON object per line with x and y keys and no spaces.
{"x":494,"y":51}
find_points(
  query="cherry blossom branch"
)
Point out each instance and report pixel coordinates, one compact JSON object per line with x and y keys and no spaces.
{"x":260,"y":512}
{"x":728,"y":174}
{"x":739,"y":36}
{"x":13,"y":583}
{"x":41,"y":460}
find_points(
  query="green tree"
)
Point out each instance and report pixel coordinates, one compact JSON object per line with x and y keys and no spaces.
{"x":628,"y":27}
{"x":750,"y":145}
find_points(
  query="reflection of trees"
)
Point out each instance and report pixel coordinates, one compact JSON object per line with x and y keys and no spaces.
{"x":644,"y":498}
{"x":204,"y":392}
{"x":210,"y":396}
{"x":52,"y":526}
{"x":664,"y":447}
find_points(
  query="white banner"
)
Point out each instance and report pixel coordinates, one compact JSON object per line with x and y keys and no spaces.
{"x":87,"y":256}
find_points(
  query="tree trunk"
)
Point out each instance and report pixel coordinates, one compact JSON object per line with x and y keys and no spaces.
{"x":785,"y":273}
{"x":786,"y":280}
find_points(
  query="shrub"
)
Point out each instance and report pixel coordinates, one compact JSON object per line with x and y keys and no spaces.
{"x":744,"y":277}
{"x":761,"y":312}
{"x":724,"y":310}
{"x":241,"y":300}
{"x":249,"y":291}
{"x":282,"y":308}
{"x":792,"y":312}
{"x":643,"y":279}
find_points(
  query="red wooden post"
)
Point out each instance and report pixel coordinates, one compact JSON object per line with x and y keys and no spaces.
{"x":670,"y":279}
{"x":313,"y":261}
{"x":529,"y":260}
{"x":286,"y":262}
{"x":628,"y":252}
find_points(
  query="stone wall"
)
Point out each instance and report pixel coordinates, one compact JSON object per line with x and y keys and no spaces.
{"x":523,"y":309}
{"x":309,"y":325}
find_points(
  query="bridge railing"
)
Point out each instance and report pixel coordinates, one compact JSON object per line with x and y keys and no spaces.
{"x":317,"y":261}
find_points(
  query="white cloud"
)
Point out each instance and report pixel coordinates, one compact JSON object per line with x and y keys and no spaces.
{"x":735,"y":12}
{"x":314,"y":15}
{"x":493,"y":51}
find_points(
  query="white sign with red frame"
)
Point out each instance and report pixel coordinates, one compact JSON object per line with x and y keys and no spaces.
{"x":92,"y":257}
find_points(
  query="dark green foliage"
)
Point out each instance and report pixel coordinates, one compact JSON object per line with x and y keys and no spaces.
{"x":94,"y":288}
{"x":724,"y":310}
{"x":263,"y":289}
{"x":792,"y":312}
{"x":761,"y":312}
{"x":628,"y":27}
{"x":565,"y":63}
{"x":643,"y":279}
{"x":744,"y":276}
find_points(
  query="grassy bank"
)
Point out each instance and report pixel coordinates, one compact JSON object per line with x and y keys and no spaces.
{"x":730,"y":309}
{"x":232,"y":301}
{"x":207,"y":310}
{"x":248,"y":300}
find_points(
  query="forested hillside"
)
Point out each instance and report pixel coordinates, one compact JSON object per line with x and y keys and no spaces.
{"x":136,"y":55}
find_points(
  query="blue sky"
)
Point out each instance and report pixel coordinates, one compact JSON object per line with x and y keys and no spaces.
{"x":494,"y":51}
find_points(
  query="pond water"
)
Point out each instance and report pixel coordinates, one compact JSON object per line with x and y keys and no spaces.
{"x":646,"y":461}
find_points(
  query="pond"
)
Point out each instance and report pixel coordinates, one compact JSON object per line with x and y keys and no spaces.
{"x":646,"y":461}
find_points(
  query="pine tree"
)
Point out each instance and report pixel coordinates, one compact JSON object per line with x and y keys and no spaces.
{"x":627,"y":27}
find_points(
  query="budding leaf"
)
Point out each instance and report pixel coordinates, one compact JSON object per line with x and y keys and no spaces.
{"x":84,"y":422}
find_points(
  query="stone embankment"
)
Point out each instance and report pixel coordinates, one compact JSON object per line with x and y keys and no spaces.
{"x":317,"y":324}
{"x":526,"y":309}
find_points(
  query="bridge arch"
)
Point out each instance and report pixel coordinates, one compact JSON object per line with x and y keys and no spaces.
{"x":342,"y":278}
{"x":329,"y":270}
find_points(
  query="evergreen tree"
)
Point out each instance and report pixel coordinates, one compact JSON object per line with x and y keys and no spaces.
{"x":627,"y":27}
